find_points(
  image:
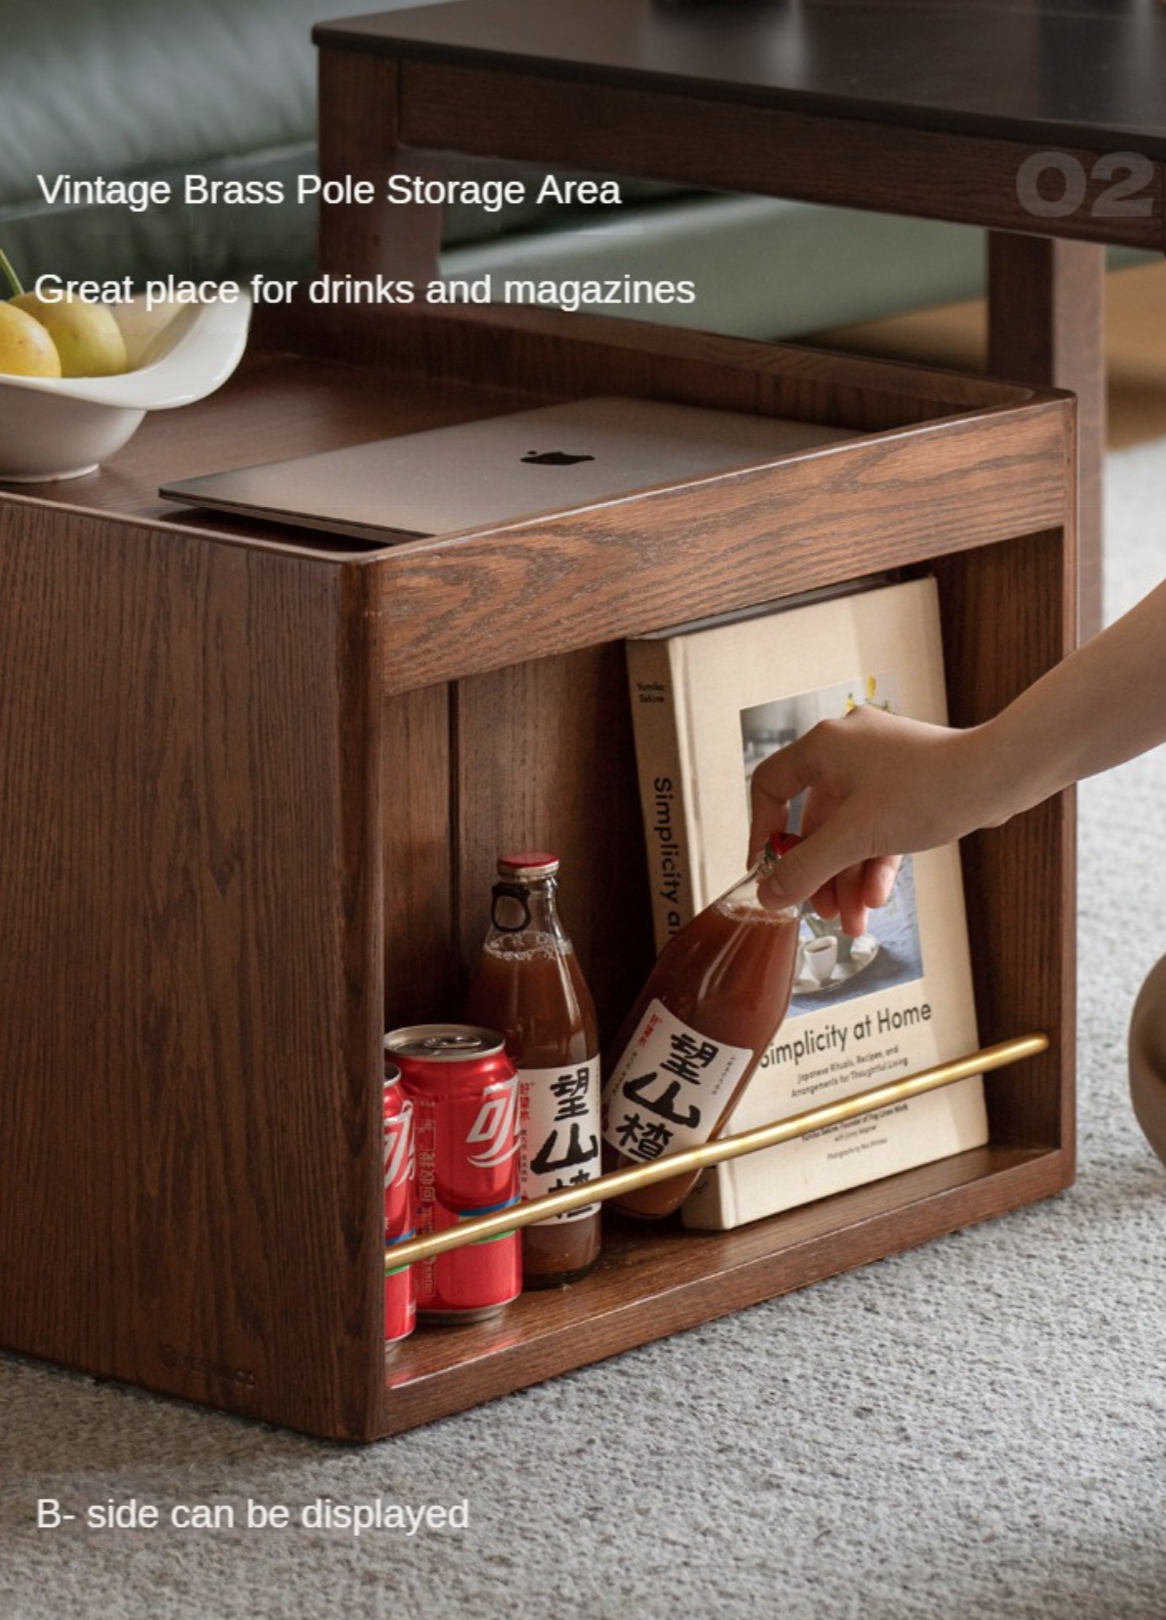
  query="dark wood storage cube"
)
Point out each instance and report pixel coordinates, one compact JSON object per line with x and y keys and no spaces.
{"x":251,"y":788}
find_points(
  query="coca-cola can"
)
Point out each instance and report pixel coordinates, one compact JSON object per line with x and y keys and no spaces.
{"x":464,"y":1092}
{"x":400,"y":1205}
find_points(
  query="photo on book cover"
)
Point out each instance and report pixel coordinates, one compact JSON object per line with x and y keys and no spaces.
{"x":832,"y":966}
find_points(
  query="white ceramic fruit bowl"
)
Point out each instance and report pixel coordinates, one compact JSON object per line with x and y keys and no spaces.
{"x":61,"y":427}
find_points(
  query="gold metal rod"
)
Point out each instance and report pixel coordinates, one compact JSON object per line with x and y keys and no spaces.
{"x":725,"y":1147}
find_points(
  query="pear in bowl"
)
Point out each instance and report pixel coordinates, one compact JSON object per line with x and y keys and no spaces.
{"x":86,"y":336}
{"x":26,"y":349}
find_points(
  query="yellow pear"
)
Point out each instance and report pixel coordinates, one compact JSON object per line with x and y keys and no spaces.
{"x":26,"y":349}
{"x":87,"y":337}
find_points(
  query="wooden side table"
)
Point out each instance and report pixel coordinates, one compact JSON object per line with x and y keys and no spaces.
{"x":252,"y":782}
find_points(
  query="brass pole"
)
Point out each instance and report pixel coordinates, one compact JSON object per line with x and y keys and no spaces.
{"x":726,"y":1147}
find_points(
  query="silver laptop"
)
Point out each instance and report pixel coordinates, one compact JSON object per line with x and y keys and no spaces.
{"x":480,"y":473}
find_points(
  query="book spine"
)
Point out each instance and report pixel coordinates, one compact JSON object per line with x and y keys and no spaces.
{"x":656,"y":685}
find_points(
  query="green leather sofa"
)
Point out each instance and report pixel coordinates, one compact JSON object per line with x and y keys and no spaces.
{"x":137,"y":89}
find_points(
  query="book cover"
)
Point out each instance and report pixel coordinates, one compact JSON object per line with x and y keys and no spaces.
{"x":709,"y":704}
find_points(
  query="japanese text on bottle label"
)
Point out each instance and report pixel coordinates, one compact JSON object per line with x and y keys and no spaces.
{"x":670,"y":1088}
{"x":558,"y":1112}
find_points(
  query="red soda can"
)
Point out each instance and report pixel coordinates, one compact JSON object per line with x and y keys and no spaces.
{"x":464,"y":1092}
{"x":400,"y":1205}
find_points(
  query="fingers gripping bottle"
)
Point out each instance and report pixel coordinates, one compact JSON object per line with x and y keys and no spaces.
{"x":713,"y":1002}
{"x":529,"y":985}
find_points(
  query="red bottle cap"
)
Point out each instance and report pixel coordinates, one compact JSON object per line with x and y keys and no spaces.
{"x":780,"y":843}
{"x":531,"y":862}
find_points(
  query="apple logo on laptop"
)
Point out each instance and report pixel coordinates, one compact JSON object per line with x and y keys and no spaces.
{"x":552,"y":458}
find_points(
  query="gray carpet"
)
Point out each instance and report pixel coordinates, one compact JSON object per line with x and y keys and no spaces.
{"x":972,"y":1431}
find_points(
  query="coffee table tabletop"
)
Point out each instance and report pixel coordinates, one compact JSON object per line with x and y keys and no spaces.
{"x":1088,"y":72}
{"x":1042,"y":121}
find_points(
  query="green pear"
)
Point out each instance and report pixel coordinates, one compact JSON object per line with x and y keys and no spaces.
{"x":26,"y":349}
{"x":87,"y":337}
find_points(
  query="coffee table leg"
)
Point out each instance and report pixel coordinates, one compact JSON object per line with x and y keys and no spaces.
{"x":1046,"y":316}
{"x":359,"y":142}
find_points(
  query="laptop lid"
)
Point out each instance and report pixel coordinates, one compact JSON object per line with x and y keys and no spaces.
{"x":499,"y":468}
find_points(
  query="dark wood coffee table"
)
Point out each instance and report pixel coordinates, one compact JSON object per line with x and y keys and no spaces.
{"x":1042,"y":120}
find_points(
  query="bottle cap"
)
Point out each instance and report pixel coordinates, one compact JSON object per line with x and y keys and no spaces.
{"x":780,"y":843}
{"x":528,"y":863}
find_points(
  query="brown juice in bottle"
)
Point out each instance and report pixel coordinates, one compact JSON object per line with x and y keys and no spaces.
{"x":713,"y":1002}
{"x":528,"y":984}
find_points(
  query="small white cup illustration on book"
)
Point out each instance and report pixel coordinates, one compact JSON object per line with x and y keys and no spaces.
{"x":819,"y":958}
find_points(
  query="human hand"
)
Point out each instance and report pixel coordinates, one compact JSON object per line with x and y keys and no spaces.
{"x":878,"y":786}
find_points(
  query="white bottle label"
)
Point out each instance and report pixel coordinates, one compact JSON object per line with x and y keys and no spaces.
{"x":558,"y":1113}
{"x":670,"y":1087}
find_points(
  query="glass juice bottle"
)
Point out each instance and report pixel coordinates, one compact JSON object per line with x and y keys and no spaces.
{"x":528,"y":984}
{"x":713,"y":1002}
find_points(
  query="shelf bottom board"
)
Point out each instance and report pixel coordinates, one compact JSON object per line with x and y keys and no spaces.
{"x":654,"y":1280}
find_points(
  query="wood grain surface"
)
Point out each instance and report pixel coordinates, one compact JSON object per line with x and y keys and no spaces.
{"x":1046,"y":320}
{"x":1008,"y":613}
{"x":635,"y":565}
{"x":359,"y":141}
{"x":191,"y":1006}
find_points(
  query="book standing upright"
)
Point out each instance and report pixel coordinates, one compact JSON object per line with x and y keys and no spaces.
{"x":709,"y":703}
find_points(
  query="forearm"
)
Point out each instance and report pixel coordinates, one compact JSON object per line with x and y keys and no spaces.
{"x":1103,"y":705}
{"x":878,"y":786}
